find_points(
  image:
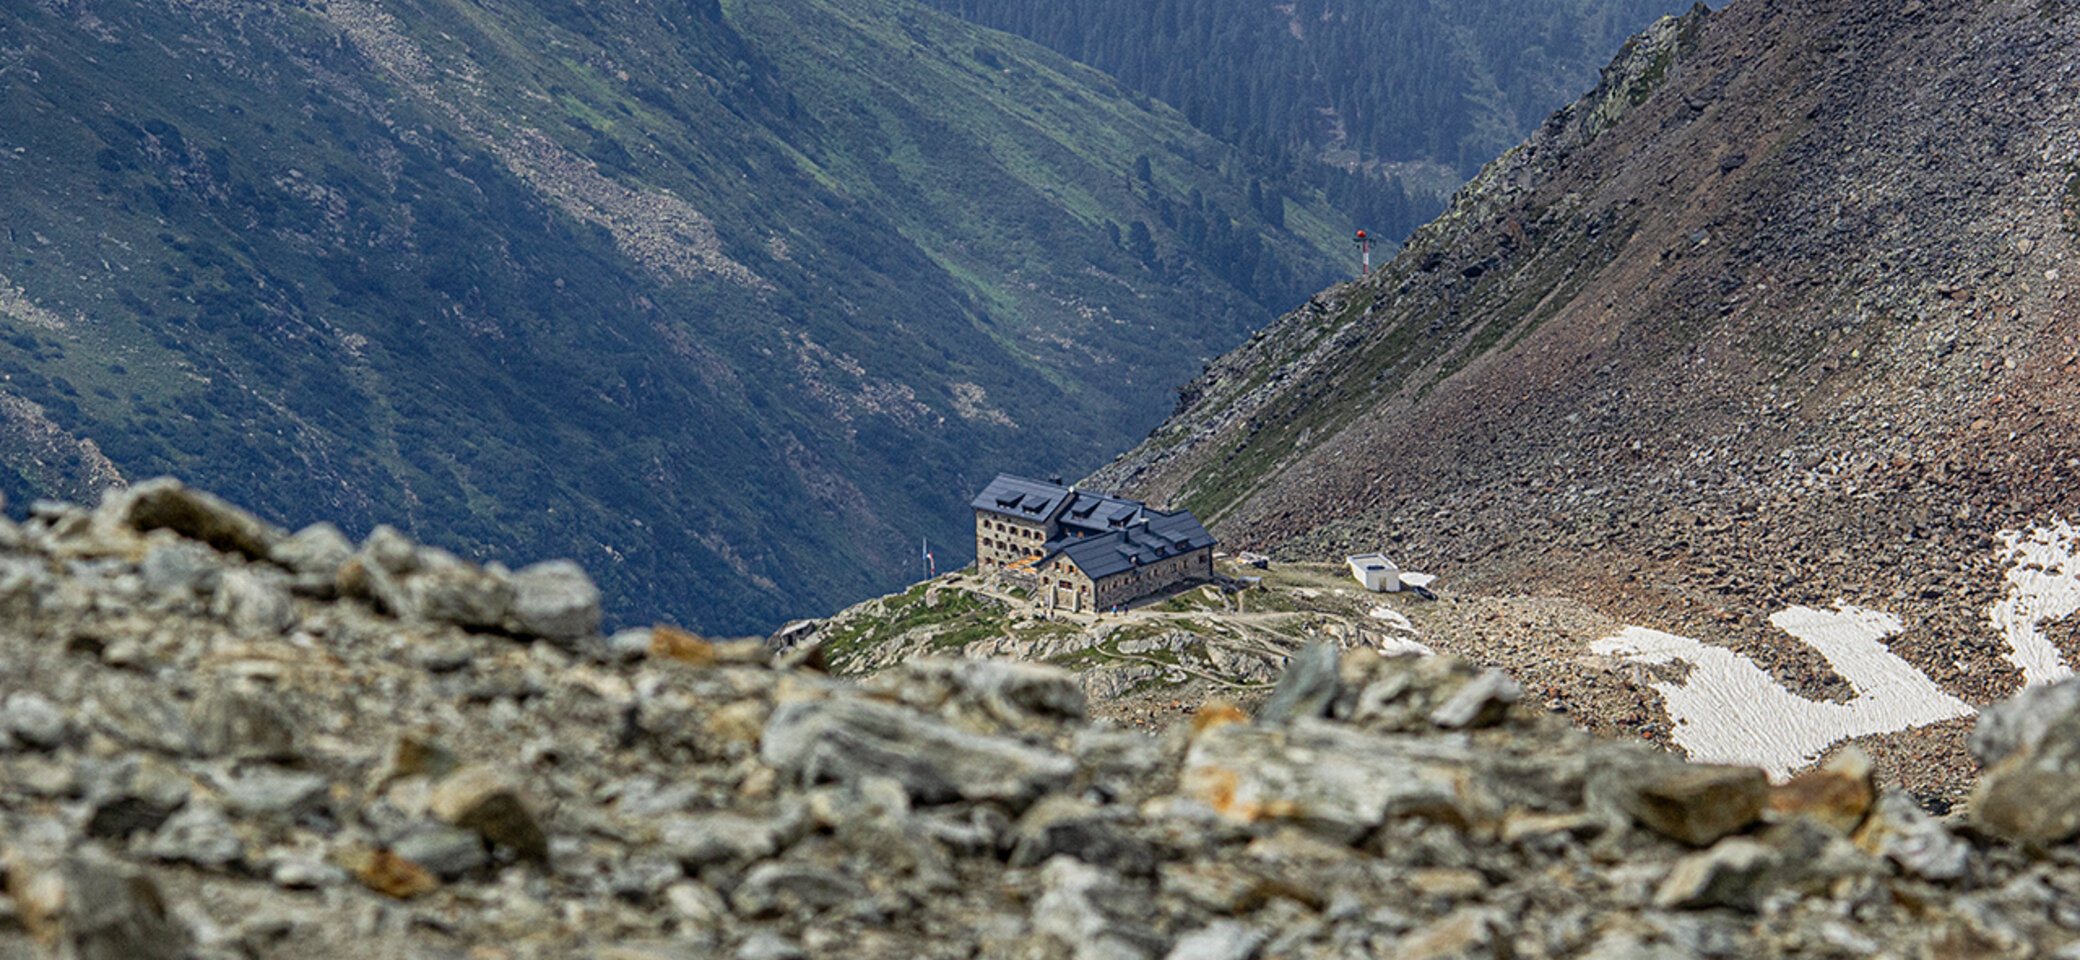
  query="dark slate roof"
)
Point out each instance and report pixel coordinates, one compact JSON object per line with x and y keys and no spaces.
{"x":1020,"y":497}
{"x":1102,"y":535}
{"x":1157,"y":536}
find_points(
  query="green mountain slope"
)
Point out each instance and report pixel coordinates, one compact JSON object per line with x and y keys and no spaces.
{"x":1416,"y":95}
{"x":733,"y":302}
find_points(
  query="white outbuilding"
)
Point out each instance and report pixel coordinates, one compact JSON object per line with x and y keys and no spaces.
{"x":1376,"y":572}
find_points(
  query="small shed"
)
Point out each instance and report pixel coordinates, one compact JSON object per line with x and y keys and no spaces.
{"x":1376,"y":572}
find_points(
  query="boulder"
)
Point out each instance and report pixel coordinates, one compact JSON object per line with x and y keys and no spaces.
{"x":2020,"y":722}
{"x":487,"y":801}
{"x":772,"y":889}
{"x":1072,"y":826}
{"x":1733,"y":873}
{"x":1838,"y":794}
{"x":200,"y":834}
{"x":2033,"y":794}
{"x":1482,"y":702}
{"x":451,"y":591}
{"x":1699,"y":803}
{"x":555,"y":600}
{"x":31,"y":719}
{"x":245,"y":721}
{"x":1921,"y":845}
{"x":447,"y":852}
{"x":93,"y":909}
{"x":986,"y":696}
{"x":847,"y":740}
{"x":1329,"y":778}
{"x":165,"y":503}
{"x":316,"y":550}
{"x":253,"y":603}
{"x":1306,"y":689}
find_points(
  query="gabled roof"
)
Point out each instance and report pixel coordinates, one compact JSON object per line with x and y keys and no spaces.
{"x":1029,"y":499}
{"x":1102,"y":535}
{"x":1156,"y":537}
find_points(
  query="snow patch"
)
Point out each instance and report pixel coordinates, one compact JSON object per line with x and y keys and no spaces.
{"x":1402,"y":647}
{"x":1729,"y":710}
{"x":2043,"y":585}
{"x":1393,"y":618}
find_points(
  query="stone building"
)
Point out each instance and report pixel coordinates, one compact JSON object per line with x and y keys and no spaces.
{"x":1082,"y":550}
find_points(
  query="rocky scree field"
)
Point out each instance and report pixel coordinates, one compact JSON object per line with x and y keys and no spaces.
{"x":218,"y":739}
{"x":1777,"y":317}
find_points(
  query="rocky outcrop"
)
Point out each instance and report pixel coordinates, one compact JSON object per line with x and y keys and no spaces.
{"x":385,"y":761}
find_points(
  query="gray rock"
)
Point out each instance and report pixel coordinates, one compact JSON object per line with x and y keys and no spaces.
{"x":700,"y":840}
{"x":182,"y":569}
{"x":390,"y":551}
{"x":139,"y":714}
{"x":97,"y":910}
{"x":454,"y":592}
{"x":1116,"y":762}
{"x":1307,"y":688}
{"x":2033,"y":794}
{"x":1332,"y":779}
{"x":487,"y":801}
{"x":1899,"y":831}
{"x":989,"y":696}
{"x":1074,"y":827}
{"x":847,"y":740}
{"x":555,"y":600}
{"x":316,"y":550}
{"x":627,"y":646}
{"x":1220,"y":940}
{"x":273,"y":793}
{"x":245,"y":721}
{"x":31,"y":719}
{"x":1730,"y":874}
{"x":23,"y":583}
{"x":767,"y":945}
{"x":255,"y":604}
{"x":2020,"y":722}
{"x":772,"y":889}
{"x":1482,"y":702}
{"x":165,"y":503}
{"x":643,"y":879}
{"x":199,"y":834}
{"x":132,"y":794}
{"x":1699,"y":803}
{"x":1092,"y":913}
{"x":449,"y":852}
{"x":305,"y":873}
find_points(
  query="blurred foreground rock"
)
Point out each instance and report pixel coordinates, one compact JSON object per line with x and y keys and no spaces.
{"x":218,"y":739}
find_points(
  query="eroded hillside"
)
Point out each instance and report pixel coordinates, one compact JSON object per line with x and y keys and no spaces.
{"x":1777,"y":318}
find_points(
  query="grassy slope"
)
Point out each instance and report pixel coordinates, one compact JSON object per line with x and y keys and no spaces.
{"x":301,"y":264}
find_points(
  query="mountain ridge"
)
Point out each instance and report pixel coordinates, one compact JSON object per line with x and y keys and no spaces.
{"x":733,"y":297}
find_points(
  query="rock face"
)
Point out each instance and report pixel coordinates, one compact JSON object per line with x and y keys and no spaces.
{"x":360,"y":779}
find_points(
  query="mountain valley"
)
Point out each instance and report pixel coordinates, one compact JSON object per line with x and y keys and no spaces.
{"x":737,"y":298}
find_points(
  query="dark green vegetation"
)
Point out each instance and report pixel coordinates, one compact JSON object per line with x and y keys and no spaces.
{"x":731,"y":302}
{"x":1431,"y":90}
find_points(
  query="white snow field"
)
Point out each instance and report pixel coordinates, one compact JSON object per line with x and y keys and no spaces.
{"x":2043,"y":585}
{"x":1729,"y":710}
